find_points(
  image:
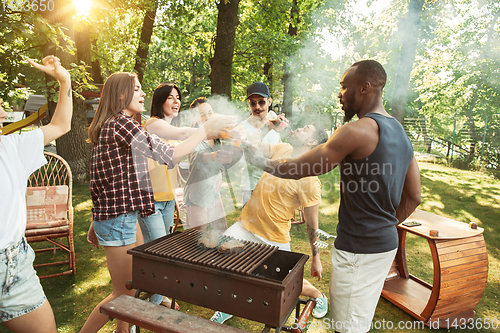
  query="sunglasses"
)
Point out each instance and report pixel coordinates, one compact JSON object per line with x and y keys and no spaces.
{"x":261,"y":103}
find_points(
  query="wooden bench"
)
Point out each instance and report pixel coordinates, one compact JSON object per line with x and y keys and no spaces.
{"x":460,"y":263}
{"x":158,"y":318}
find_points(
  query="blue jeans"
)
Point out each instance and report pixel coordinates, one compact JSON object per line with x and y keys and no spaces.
{"x":157,"y":225}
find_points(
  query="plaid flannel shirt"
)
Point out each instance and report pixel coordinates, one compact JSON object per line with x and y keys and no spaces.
{"x":119,"y":177}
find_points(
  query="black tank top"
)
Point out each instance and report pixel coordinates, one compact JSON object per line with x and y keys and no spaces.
{"x":370,"y":191}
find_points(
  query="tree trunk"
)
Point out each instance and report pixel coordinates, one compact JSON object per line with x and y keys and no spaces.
{"x":96,"y":66}
{"x":82,"y":42}
{"x":472,"y":128}
{"x":472,"y":134}
{"x":287,"y":93}
{"x":268,"y":74}
{"x":287,"y":75}
{"x":427,"y":139}
{"x":192,"y":80}
{"x":71,"y":146}
{"x":409,"y":34}
{"x":145,"y":40}
{"x":221,"y":64}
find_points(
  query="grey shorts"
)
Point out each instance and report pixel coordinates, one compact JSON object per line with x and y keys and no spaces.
{"x":21,"y":289}
{"x":356,"y":283}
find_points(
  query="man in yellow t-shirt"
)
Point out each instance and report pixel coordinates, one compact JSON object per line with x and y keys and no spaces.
{"x":266,"y":216}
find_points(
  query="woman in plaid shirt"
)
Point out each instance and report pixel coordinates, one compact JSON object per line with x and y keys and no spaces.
{"x":119,"y":181}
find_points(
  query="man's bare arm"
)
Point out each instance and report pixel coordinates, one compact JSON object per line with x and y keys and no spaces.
{"x":320,"y":160}
{"x":411,"y":197}
{"x":311,"y":219}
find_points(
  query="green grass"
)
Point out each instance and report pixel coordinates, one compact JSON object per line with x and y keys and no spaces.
{"x":462,"y":195}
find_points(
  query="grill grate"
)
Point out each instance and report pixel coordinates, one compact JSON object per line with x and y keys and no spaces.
{"x":184,"y":247}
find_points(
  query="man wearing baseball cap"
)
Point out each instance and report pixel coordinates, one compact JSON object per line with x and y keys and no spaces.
{"x":257,"y":126}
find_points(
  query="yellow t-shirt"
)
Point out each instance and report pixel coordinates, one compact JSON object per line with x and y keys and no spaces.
{"x":274,"y":201}
{"x":163,"y":179}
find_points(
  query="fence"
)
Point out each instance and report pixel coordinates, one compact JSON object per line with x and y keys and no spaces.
{"x":453,"y":139}
{"x":456,"y":139}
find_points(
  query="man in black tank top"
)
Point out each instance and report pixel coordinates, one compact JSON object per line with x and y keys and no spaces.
{"x":380,"y":187}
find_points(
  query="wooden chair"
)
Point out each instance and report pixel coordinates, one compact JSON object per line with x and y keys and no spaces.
{"x":50,"y":211}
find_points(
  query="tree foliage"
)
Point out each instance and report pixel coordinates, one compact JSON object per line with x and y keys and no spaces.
{"x":454,"y":76}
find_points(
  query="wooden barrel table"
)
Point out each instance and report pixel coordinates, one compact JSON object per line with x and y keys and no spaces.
{"x":460,"y":265}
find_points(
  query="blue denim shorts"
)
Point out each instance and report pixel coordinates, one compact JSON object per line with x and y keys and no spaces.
{"x":118,"y":231}
{"x":21,"y":289}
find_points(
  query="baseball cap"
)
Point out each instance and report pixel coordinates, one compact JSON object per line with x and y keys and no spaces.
{"x":258,"y":88}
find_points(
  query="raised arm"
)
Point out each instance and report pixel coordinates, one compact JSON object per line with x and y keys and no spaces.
{"x":315,"y":162}
{"x":168,"y":132}
{"x":311,"y":219}
{"x":60,"y":123}
{"x":278,"y":125}
{"x":411,"y":197}
{"x":212,"y":129}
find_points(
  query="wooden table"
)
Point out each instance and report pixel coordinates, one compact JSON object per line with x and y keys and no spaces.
{"x":460,"y":272}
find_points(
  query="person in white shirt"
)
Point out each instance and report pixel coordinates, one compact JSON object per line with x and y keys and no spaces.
{"x":23,"y":305}
{"x":259,"y":127}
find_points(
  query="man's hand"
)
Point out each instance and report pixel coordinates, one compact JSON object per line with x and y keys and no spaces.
{"x":253,"y":155}
{"x":279,"y":124}
{"x":239,"y":133}
{"x":316,"y":267}
{"x":223,"y":156}
{"x":52,"y":65}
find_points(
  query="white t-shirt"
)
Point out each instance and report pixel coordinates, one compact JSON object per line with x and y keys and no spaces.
{"x":20,"y":156}
{"x":252,"y":174}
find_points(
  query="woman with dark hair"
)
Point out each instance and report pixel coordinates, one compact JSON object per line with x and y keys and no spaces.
{"x":165,"y":108}
{"x":119,"y":182}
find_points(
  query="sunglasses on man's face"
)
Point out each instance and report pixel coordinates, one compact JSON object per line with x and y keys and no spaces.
{"x":261,"y":103}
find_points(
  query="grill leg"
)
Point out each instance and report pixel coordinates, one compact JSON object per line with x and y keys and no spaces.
{"x":143,"y":297}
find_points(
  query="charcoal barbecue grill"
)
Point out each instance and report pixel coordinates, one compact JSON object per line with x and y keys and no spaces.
{"x":260,"y":283}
